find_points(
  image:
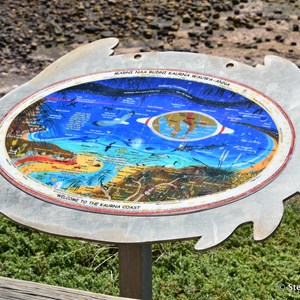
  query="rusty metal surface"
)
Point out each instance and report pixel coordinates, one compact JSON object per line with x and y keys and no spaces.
{"x":278,"y":79}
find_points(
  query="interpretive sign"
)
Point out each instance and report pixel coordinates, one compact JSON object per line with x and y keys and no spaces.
{"x":144,"y":141}
{"x":116,"y":148}
{"x":140,"y":148}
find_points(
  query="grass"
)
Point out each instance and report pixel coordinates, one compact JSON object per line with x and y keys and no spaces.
{"x":238,"y":269}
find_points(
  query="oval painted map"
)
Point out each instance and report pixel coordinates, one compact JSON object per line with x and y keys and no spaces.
{"x":144,"y":142}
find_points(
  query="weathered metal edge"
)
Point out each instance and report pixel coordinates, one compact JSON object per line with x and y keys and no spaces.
{"x":278,"y":79}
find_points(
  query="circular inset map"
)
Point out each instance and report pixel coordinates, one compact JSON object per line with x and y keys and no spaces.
{"x":185,"y":126}
{"x":144,"y":142}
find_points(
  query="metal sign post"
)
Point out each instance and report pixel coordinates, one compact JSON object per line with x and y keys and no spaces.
{"x":118,"y":148}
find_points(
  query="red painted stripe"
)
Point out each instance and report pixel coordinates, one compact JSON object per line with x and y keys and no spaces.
{"x":222,"y":129}
{"x":42,"y":159}
{"x":147,"y":121}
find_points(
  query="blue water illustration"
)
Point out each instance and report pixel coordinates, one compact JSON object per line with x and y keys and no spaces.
{"x":101,"y":118}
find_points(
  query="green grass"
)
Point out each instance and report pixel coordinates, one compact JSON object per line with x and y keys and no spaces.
{"x":238,"y":269}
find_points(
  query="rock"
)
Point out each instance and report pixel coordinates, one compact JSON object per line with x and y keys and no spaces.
{"x":208,"y":44}
{"x":148,"y":33}
{"x":194,"y":43}
{"x":186,"y":18}
{"x":80,"y":6}
{"x":166,"y":26}
{"x":91,"y":28}
{"x":192,"y":34}
{"x":262,"y":22}
{"x":216,"y":15}
{"x":79,"y":39}
{"x":214,"y":25}
{"x":53,"y":25}
{"x":149,"y":19}
{"x":175,"y":27}
{"x":295,"y":27}
{"x":279,"y":38}
{"x":154,"y":25}
{"x":209,"y":30}
{"x":163,"y":33}
{"x":204,"y":35}
{"x":107,"y":34}
{"x":249,"y":26}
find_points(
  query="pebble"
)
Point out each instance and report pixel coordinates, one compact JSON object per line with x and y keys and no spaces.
{"x":91,"y":28}
{"x":107,"y":34}
{"x":295,"y":27}
{"x":186,"y":18}
{"x":148,"y":33}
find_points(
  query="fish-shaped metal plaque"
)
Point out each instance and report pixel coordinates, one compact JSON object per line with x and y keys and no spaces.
{"x":132,"y":143}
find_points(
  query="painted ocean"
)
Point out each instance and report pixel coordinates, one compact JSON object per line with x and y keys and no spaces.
{"x":144,"y":138}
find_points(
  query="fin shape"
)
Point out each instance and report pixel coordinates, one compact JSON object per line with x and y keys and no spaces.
{"x":263,"y":227}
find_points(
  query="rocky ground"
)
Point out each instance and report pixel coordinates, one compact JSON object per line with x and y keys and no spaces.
{"x":33,"y":33}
